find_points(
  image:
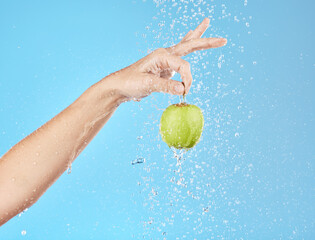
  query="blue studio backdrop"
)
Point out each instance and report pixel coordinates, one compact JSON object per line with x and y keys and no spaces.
{"x":252,"y":174}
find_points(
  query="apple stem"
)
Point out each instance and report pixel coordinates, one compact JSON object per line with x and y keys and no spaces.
{"x":184,"y":98}
{"x":181,"y":104}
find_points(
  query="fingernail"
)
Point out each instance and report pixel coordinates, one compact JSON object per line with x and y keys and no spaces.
{"x":179,"y":88}
{"x":224,"y":40}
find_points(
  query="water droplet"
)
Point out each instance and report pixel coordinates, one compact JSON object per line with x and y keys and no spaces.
{"x":220,"y":61}
{"x":138,"y":160}
{"x":25,"y":210}
{"x":69,"y":168}
{"x":136,"y":99}
{"x":154,"y":192}
{"x":23,"y":232}
{"x":206,"y":209}
{"x":139,"y":137}
{"x":237,"y":134}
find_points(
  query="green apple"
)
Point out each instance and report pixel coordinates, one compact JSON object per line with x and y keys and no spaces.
{"x":181,"y":125}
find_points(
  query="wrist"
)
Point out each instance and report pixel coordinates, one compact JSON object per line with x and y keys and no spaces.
{"x":102,"y":97}
{"x":107,"y":90}
{"x":111,"y":87}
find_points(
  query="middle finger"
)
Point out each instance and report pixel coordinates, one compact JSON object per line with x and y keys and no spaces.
{"x":185,"y":48}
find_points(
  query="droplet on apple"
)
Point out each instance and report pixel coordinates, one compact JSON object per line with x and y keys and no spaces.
{"x":181,"y":125}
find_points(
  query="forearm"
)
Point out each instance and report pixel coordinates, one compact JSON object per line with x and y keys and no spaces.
{"x":32,"y":165}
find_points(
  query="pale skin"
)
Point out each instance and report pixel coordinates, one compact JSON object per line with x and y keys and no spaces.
{"x":30,"y":167}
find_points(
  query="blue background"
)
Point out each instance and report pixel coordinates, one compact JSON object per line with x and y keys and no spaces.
{"x":251,"y":176}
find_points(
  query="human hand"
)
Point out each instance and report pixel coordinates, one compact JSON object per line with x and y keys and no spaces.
{"x":153,"y":72}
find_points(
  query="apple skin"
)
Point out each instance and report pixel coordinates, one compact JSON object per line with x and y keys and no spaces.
{"x":181,"y":125}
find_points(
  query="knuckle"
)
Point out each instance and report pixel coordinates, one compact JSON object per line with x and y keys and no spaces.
{"x":186,"y":65}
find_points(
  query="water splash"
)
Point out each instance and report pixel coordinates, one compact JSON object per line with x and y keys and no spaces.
{"x":179,"y":155}
{"x":193,"y":185}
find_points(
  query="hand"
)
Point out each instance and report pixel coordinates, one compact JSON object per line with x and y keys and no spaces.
{"x":153,"y":72}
